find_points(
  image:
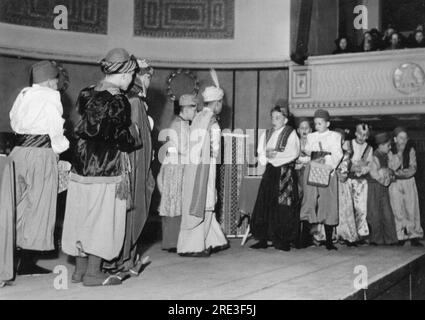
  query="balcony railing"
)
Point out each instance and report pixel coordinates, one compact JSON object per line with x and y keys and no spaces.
{"x":375,"y":83}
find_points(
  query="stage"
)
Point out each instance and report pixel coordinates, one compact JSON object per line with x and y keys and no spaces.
{"x":241,"y":273}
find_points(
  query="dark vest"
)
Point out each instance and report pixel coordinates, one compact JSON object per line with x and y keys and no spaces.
{"x":283,"y":138}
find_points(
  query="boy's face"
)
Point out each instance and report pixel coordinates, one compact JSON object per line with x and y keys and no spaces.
{"x":218,"y":107}
{"x":304,"y":129}
{"x":321,"y":125}
{"x":278,"y":120}
{"x":385,"y":147}
{"x":361,"y":136}
{"x":401,"y":140}
{"x":343,"y":44}
{"x":189,"y":112}
{"x":395,"y":39}
{"x":146,"y":80}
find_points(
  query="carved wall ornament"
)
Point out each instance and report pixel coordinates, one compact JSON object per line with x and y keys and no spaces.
{"x":301,"y":84}
{"x":409,"y":78}
{"x":181,"y":82}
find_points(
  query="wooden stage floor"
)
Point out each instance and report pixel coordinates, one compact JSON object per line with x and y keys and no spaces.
{"x":245,"y":274}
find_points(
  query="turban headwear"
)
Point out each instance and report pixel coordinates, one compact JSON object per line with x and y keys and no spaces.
{"x":118,"y":61}
{"x":213,"y":93}
{"x":143,"y":68}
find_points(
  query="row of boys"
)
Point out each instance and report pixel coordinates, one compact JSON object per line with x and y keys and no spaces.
{"x":371,"y":196}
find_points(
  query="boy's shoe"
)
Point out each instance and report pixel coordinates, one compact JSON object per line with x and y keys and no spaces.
{"x":416,"y":243}
{"x":260,"y":245}
{"x":331,"y":247}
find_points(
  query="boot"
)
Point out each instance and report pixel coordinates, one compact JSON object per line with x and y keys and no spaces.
{"x":329,"y":243}
{"x":285,"y":246}
{"x":94,"y":276}
{"x":260,"y":245}
{"x":306,"y":237}
{"x":26,"y":263}
{"x":81,"y":264}
{"x":416,"y":243}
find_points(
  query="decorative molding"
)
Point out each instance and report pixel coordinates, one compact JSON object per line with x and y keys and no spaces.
{"x":359,"y":104}
{"x":200,"y":19}
{"x":384,"y":82}
{"x":91,"y":59}
{"x":84,"y":16}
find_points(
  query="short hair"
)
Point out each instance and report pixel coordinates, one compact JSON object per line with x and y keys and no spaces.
{"x":283,"y":111}
{"x":363,"y":127}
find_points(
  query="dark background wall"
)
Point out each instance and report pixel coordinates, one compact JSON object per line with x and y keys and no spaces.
{"x":249,"y":94}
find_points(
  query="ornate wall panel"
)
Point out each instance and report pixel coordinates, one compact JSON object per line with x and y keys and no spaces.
{"x":84,"y":16}
{"x":200,"y":19}
{"x":356,"y":84}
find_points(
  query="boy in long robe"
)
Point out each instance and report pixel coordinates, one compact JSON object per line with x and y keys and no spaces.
{"x":361,"y":158}
{"x":379,"y":212}
{"x":403,"y":191}
{"x":275,"y":217}
{"x":142,"y":182}
{"x":36,"y":118}
{"x":170,"y":178}
{"x":200,"y":232}
{"x":99,"y":187}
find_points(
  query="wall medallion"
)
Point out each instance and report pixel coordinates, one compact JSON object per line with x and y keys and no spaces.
{"x":409,"y":78}
{"x":181,"y":82}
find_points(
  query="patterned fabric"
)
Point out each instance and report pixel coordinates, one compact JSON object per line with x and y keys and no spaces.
{"x":119,"y":67}
{"x":286,"y":177}
{"x":359,"y":194}
{"x":199,"y":19}
{"x":275,"y":216}
{"x":34,"y":141}
{"x":103,"y":132}
{"x":287,"y":185}
{"x":171,"y":190}
{"x":405,"y":204}
{"x":229,"y":188}
{"x":346,"y":229}
{"x":84,"y":16}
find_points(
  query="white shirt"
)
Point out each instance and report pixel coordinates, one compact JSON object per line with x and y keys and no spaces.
{"x":358,"y":151}
{"x":330,"y":141}
{"x":291,"y":152}
{"x":38,"y":110}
